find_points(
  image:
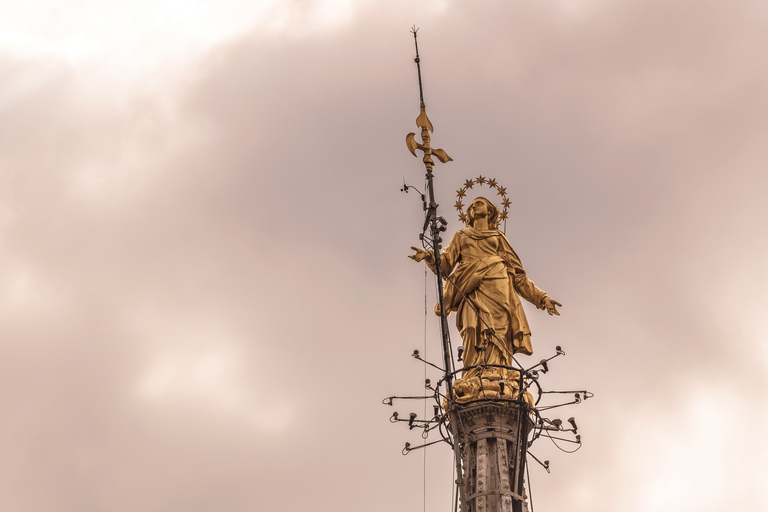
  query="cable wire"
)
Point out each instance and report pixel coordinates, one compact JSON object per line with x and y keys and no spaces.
{"x":424,"y":458}
{"x":528,"y":482}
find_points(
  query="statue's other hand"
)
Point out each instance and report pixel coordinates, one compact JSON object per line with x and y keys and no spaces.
{"x":550,"y":304}
{"x":421,"y":255}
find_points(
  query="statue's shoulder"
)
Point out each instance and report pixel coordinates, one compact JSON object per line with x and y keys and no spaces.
{"x":476,"y":234}
{"x":459,"y":234}
{"x":467,"y":233}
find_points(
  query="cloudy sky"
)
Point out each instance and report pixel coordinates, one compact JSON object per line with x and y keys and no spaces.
{"x":204,"y":293}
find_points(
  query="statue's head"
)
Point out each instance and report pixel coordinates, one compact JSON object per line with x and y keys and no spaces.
{"x":491,"y":212}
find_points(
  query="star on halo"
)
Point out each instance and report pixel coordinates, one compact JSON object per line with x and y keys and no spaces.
{"x":491,"y":183}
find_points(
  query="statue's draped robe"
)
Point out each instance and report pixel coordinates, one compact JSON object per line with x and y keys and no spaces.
{"x":484,"y":291}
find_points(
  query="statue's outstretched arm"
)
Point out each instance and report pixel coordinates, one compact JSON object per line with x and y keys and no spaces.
{"x":426,"y":256}
{"x":549,"y":305}
{"x":448,"y":257}
{"x":534,"y":294}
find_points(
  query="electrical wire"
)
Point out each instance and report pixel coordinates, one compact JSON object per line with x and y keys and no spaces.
{"x":424,"y":458}
{"x":528,"y":482}
{"x":454,"y":488}
{"x":558,"y":446}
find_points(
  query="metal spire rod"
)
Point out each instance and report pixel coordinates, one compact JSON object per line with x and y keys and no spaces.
{"x":437,"y":225}
{"x":417,"y":60}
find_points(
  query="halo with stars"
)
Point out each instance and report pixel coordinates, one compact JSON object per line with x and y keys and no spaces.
{"x":490,"y":182}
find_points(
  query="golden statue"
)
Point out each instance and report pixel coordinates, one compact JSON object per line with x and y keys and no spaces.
{"x":484,"y":283}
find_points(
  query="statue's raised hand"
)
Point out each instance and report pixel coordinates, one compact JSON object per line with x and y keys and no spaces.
{"x":421,"y":255}
{"x":550,"y":304}
{"x":426,"y":256}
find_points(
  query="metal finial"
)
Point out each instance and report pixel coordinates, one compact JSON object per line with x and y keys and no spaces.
{"x":423,"y":122}
{"x":417,"y":60}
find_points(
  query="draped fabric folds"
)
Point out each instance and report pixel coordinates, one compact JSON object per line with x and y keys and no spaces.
{"x":485,"y":283}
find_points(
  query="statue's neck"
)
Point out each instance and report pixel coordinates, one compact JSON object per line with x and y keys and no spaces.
{"x":480,"y":223}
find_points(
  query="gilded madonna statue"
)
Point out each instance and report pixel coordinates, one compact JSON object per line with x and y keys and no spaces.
{"x":484,"y":283}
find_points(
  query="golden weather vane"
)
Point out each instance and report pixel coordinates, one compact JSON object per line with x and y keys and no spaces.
{"x":423,"y":122}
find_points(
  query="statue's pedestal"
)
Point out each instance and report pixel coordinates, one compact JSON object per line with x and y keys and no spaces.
{"x":493,"y":443}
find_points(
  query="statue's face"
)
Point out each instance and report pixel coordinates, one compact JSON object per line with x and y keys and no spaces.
{"x":478,"y":208}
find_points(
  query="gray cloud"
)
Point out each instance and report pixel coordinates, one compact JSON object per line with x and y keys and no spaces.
{"x":205,"y":285}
